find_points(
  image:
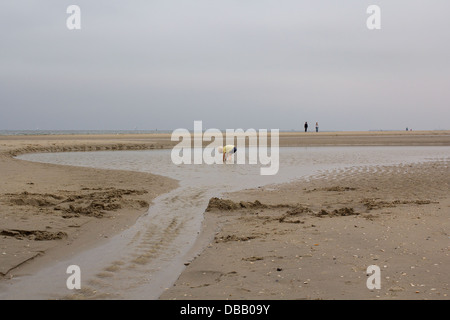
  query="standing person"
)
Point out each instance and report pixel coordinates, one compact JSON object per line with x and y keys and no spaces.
{"x":306,"y":126}
{"x":317,"y":127}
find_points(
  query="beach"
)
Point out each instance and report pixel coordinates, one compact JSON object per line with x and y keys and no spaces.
{"x":49,"y":211}
{"x":316,"y":239}
{"x":309,"y":239}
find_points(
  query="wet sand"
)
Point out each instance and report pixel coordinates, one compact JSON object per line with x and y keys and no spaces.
{"x":48,"y":211}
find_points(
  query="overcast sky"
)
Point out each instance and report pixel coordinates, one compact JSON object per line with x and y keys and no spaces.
{"x":270,"y":64}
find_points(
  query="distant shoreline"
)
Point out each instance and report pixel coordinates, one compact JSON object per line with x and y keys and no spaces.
{"x":76,"y":132}
{"x":153,"y":132}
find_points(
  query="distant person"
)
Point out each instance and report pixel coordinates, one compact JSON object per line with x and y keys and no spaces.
{"x":306,"y":126}
{"x":317,"y":127}
{"x":227,"y":151}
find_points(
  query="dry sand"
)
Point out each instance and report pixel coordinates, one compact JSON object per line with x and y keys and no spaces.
{"x":306,"y":240}
{"x":315,"y":239}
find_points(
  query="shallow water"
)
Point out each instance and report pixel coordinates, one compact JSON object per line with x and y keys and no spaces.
{"x":145,"y":259}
